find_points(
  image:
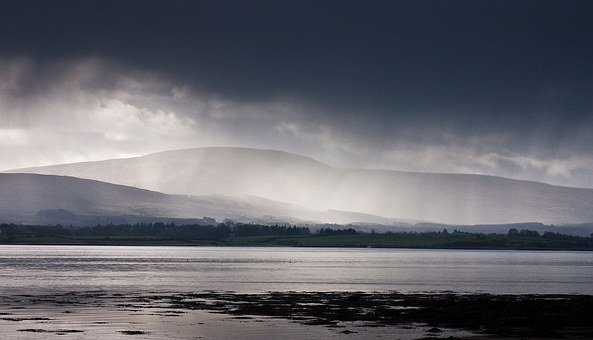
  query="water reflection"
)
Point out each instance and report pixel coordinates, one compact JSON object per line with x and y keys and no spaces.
{"x":62,"y":268}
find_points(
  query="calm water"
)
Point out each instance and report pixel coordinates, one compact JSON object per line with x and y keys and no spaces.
{"x":63,"y":268}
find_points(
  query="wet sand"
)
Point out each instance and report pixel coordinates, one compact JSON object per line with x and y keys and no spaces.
{"x":293,"y":315}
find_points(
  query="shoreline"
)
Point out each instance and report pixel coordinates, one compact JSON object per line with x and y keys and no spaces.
{"x":194,"y":244}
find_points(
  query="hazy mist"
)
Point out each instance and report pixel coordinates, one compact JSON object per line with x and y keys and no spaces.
{"x":285,"y":177}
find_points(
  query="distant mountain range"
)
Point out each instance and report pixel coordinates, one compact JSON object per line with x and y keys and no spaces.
{"x":305,"y":182}
{"x":47,"y":199}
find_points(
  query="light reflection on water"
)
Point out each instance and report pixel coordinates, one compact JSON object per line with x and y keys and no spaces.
{"x":250,"y":269}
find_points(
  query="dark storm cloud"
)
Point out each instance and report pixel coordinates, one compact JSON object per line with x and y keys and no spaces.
{"x":500,"y":87}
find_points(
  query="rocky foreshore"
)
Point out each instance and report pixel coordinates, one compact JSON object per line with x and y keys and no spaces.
{"x":493,"y":316}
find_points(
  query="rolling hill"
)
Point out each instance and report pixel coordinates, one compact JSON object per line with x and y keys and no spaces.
{"x":281,"y":176}
{"x":48,"y":199}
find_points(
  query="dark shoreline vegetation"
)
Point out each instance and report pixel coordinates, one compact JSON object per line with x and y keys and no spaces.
{"x":489,"y":316}
{"x":240,"y":234}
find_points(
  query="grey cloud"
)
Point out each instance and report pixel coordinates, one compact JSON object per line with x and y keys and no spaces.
{"x":93,"y":108}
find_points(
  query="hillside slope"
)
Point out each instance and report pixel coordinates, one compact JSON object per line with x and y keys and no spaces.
{"x":281,"y":176}
{"x":32,"y":198}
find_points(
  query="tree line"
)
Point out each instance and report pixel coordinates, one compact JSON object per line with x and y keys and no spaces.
{"x":249,"y":234}
{"x":157,"y":230}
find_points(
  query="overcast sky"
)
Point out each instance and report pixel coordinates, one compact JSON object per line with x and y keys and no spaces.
{"x":493,"y":87}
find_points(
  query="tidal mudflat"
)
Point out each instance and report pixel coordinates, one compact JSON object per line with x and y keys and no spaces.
{"x":294,"y":315}
{"x":206,"y":315}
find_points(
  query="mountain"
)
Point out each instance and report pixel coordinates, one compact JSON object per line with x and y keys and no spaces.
{"x":281,"y":176}
{"x":48,"y":199}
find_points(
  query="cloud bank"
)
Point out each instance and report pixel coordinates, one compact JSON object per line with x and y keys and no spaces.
{"x":93,"y":108}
